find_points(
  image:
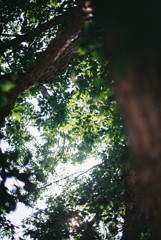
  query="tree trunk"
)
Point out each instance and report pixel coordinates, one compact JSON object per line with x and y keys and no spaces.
{"x":138,"y":93}
{"x":134,"y":222}
{"x":133,"y":48}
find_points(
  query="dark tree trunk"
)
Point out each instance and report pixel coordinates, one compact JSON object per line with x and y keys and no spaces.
{"x":134,"y":221}
{"x":133,"y":48}
{"x":138,"y":94}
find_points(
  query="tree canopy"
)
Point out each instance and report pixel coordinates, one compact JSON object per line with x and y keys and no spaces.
{"x":70,"y":71}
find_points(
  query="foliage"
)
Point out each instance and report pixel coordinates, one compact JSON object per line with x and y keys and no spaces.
{"x":91,"y":210}
{"x":68,"y":120}
{"x":89,"y":118}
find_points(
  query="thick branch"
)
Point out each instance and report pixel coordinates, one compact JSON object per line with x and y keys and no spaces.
{"x":51,"y":62}
{"x":30,"y":35}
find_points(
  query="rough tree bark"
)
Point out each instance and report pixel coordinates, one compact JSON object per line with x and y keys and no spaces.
{"x":60,"y":52}
{"x":134,"y":220}
{"x":30,"y":35}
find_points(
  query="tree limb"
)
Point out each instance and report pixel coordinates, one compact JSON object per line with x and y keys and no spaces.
{"x":30,"y":35}
{"x":51,"y":62}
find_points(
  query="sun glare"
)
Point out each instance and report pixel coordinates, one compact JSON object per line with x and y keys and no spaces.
{"x":74,"y":222}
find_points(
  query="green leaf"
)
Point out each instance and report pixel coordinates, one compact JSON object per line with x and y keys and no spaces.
{"x":6,"y":86}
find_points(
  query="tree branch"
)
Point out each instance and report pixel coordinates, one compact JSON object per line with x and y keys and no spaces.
{"x":51,"y":62}
{"x":30,"y":35}
{"x":80,"y":173}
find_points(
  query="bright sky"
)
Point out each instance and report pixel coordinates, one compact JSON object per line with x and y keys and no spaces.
{"x":68,"y":169}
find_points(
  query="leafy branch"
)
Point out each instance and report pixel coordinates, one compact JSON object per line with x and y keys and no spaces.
{"x":80,"y":173}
